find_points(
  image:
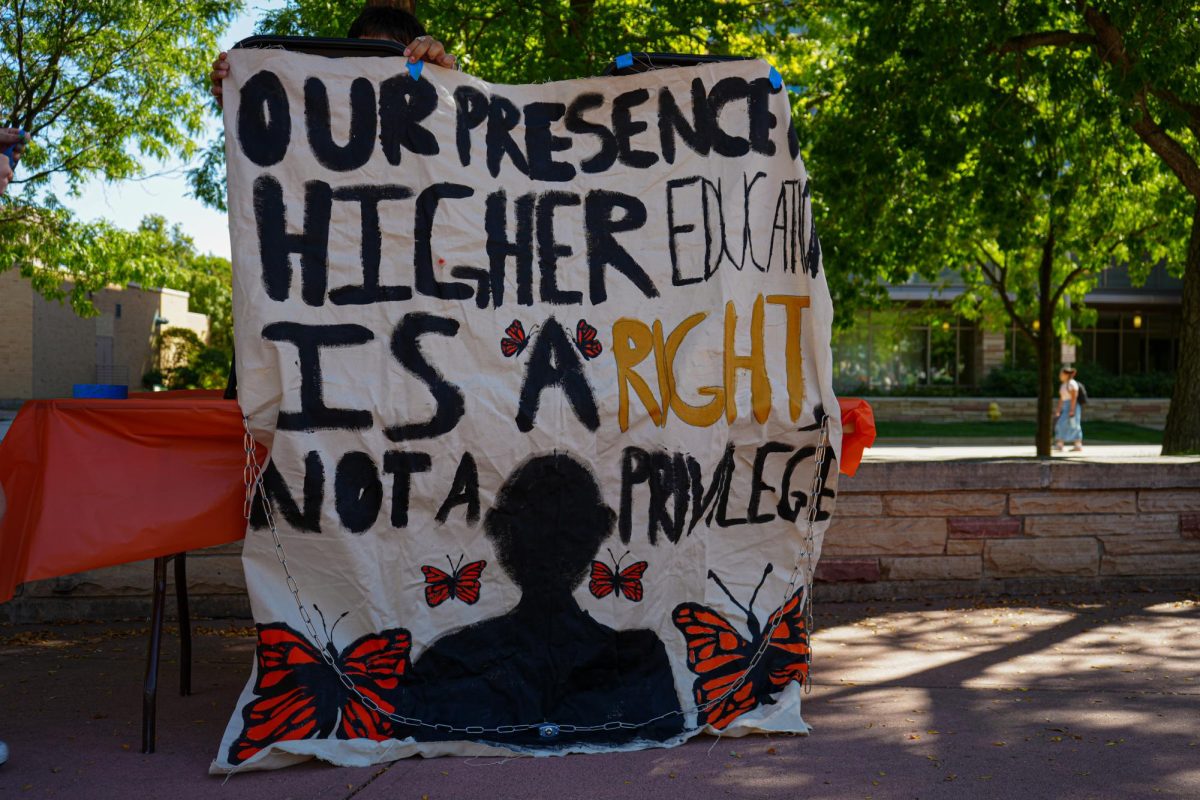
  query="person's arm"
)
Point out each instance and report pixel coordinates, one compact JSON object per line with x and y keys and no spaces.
{"x":9,"y":137}
{"x":423,"y":48}
{"x":1073,"y":388}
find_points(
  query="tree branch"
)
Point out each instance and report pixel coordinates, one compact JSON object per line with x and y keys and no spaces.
{"x":1030,"y":41}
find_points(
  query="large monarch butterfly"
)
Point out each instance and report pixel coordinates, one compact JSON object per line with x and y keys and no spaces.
{"x":299,"y":697}
{"x":719,"y":655}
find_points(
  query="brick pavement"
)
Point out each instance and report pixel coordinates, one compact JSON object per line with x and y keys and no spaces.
{"x":1041,"y":697}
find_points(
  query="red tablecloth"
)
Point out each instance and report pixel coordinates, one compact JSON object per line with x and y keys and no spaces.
{"x":92,"y":483}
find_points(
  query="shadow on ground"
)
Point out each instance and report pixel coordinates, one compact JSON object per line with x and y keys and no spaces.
{"x":1034,"y":698}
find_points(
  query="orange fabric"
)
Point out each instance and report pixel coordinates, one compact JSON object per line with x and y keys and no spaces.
{"x":92,"y":483}
{"x":858,"y":432}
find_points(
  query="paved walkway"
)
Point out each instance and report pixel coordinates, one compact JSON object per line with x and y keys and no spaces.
{"x":1035,"y":698}
{"x":958,"y":449}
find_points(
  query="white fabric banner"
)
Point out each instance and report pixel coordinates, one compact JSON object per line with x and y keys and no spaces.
{"x":542,"y":371}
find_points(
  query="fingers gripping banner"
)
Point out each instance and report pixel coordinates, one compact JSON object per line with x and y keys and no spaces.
{"x":543,"y":372}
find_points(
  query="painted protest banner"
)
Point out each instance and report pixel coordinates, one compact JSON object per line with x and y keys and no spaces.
{"x":542,"y":370}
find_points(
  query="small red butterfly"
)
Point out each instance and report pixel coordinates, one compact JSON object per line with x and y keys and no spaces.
{"x":586,"y":341}
{"x":615,"y":581}
{"x":461,"y":583}
{"x":720,"y":656}
{"x":298,"y":696}
{"x":515,"y":341}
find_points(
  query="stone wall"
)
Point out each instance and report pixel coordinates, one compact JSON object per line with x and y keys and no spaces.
{"x":900,"y":530}
{"x":1149,"y":412}
{"x":911,"y":529}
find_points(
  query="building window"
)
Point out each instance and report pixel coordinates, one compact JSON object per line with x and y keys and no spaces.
{"x":117,"y":313}
{"x":888,"y":350}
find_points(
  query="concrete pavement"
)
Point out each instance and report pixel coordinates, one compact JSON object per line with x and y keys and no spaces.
{"x":1048,"y":697}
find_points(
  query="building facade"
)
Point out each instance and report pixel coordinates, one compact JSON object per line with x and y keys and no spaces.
{"x":920,"y":342}
{"x":45,"y":348}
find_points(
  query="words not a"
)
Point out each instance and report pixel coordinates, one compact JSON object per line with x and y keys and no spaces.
{"x":555,"y":364}
{"x":671,"y":491}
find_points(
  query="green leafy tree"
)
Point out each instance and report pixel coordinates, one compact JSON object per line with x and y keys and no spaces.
{"x":938,"y":150}
{"x":103,"y":87}
{"x":1146,"y":55}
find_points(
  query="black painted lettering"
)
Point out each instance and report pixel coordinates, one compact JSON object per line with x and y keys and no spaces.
{"x":317,"y":120}
{"x":606,"y":156}
{"x":550,"y":250}
{"x":275,"y":244}
{"x":464,"y":491}
{"x":541,"y":144}
{"x":553,"y":361}
{"x":500,"y":247}
{"x":370,"y":250}
{"x":309,"y":340}
{"x":757,"y":486}
{"x":503,"y":118}
{"x":284,"y":503}
{"x":357,"y":491}
{"x":626,"y":127}
{"x":401,"y":465}
{"x":403,"y":104}
{"x":427,"y":204}
{"x":264,"y":121}
{"x":697,"y":134}
{"x":603,"y":249}
{"x":448,"y":398}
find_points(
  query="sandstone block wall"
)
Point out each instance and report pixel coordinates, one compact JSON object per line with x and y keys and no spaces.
{"x":912,"y":529}
{"x":900,"y":530}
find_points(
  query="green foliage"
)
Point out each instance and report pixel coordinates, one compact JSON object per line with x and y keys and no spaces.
{"x":1100,"y":383}
{"x":102,"y":87}
{"x":187,"y":363}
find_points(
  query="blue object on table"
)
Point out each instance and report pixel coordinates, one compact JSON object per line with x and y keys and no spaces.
{"x":414,"y":70}
{"x":624,"y":60}
{"x":99,"y":391}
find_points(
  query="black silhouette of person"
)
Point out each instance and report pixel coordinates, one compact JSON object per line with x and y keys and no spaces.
{"x":547,"y":660}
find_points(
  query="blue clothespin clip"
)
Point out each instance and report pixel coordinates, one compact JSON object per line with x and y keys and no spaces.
{"x":414,"y":70}
{"x":624,"y":60}
{"x":775,"y":78}
{"x":10,"y":151}
{"x":548,"y":730}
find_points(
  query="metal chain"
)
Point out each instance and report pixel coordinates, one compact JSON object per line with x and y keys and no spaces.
{"x":253,"y":477}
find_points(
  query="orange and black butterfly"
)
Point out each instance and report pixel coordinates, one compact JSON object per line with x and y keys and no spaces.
{"x":461,"y":583}
{"x":585,"y":340}
{"x":297,"y":695}
{"x":515,"y":340}
{"x":720,"y":656}
{"x":616,"y":581}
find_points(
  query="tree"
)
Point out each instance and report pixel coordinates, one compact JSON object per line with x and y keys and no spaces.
{"x":101,"y":85}
{"x":1147,"y":55}
{"x":938,"y":151}
{"x":544,"y":40}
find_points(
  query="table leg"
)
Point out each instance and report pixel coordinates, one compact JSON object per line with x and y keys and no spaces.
{"x":185,"y":625}
{"x":150,"y":684}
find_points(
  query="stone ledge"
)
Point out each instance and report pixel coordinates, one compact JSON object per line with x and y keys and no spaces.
{"x":1102,"y":524}
{"x":873,"y":536}
{"x":1112,"y":502}
{"x":945,"y":504}
{"x":983,"y":527}
{"x":840,"y":570}
{"x":1014,"y":558}
{"x":1166,"y":500}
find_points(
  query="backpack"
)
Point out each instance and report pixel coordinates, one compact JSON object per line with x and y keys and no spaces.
{"x":1081,"y":397}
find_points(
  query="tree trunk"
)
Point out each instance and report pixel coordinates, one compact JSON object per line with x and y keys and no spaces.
{"x":1047,"y":390}
{"x":1045,"y":349}
{"x":1182,"y":434}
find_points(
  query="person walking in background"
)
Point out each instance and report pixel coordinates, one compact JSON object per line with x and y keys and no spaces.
{"x":1069,"y":427}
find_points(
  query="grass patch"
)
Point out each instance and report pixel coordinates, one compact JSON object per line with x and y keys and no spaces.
{"x":1111,"y":432}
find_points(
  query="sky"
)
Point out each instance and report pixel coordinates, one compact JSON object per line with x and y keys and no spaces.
{"x":167,"y":192}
